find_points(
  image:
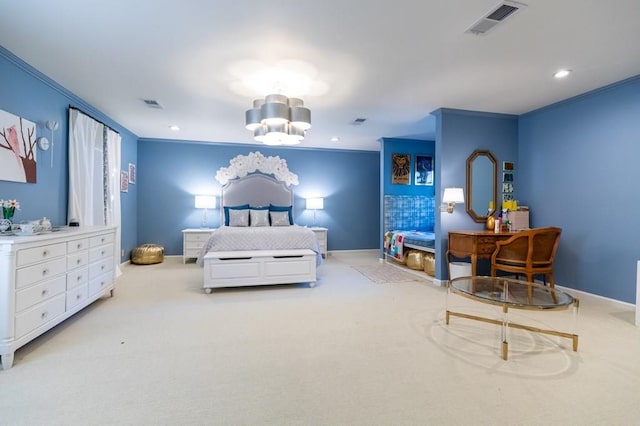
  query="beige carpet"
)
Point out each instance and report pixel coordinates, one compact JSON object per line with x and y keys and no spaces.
{"x":161,"y":352}
{"x":383,"y":273}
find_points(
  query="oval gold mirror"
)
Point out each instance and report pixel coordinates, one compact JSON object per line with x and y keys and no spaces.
{"x":482,"y":183}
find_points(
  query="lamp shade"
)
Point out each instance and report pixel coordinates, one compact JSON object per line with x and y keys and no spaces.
{"x":453,"y":195}
{"x":205,"y":202}
{"x":315,"y":203}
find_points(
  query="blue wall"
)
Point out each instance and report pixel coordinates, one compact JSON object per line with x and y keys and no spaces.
{"x":578,"y":169}
{"x":30,"y":94}
{"x":171,"y":173}
{"x":458,"y":134}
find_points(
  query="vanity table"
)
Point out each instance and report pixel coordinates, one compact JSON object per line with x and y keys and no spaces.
{"x":474,"y":245}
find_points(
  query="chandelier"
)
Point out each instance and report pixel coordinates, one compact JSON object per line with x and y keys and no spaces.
{"x":278,"y":120}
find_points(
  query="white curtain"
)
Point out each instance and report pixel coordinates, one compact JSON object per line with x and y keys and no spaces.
{"x":113,"y":191}
{"x":94,"y":175}
{"x":86,"y":169}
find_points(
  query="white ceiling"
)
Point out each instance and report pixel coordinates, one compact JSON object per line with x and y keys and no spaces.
{"x":391,"y":62}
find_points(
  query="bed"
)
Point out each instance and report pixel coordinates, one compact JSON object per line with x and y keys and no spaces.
{"x":397,"y":242}
{"x":246,"y":250}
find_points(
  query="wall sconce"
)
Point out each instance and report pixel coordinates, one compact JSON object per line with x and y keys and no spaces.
{"x":205,"y":202}
{"x":451,"y":197}
{"x":315,"y":204}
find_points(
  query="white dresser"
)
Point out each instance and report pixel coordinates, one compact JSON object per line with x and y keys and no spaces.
{"x":193,"y":239}
{"x":321,"y":235}
{"x":44,"y":279}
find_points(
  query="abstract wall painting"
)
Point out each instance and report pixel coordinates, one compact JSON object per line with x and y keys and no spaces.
{"x":17,"y":149}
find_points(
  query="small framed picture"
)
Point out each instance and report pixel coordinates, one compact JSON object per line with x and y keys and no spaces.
{"x":132,"y":173}
{"x":507,"y":188}
{"x":423,"y":173}
{"x":401,"y":169}
{"x":507,"y":197}
{"x":507,"y":166}
{"x":507,"y":177}
{"x":124,"y":181}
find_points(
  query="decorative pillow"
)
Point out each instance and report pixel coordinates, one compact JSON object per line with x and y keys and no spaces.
{"x":238,"y":217}
{"x":279,"y":218}
{"x":288,"y":209}
{"x":227,"y":208}
{"x":259,"y":217}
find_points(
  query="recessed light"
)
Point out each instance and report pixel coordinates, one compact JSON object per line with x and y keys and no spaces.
{"x":335,"y":139}
{"x":562,"y":73}
{"x":174,"y":128}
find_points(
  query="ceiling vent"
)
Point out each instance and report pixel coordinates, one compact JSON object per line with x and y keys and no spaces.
{"x":495,"y":16}
{"x":152,"y":103}
{"x":358,"y":121}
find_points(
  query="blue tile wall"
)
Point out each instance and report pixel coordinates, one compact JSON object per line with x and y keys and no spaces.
{"x":409,"y":212}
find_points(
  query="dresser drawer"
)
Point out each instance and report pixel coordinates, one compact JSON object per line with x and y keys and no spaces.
{"x":100,"y":240}
{"x":77,"y":296}
{"x":100,"y":253}
{"x":99,"y":283}
{"x":192,"y":252}
{"x":77,"y":260}
{"x":100,"y":267}
{"x":199,"y":238}
{"x":45,"y":270}
{"x":77,"y":277}
{"x":38,"y":254}
{"x":39,"y":293}
{"x":77,"y":245}
{"x":39,"y":315}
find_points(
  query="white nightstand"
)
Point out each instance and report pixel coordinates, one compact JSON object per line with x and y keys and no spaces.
{"x":321,"y":235}
{"x":193,"y":240}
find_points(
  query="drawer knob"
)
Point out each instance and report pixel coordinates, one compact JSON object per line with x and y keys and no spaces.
{"x":102,"y":252}
{"x":102,"y":240}
{"x":45,"y":272}
{"x":79,"y":277}
{"x":79,"y":246}
{"x":78,"y":261}
{"x":44,"y":315}
{"x":45,"y":253}
{"x":102,"y":268}
{"x":77,"y":297}
{"x":44,"y":292}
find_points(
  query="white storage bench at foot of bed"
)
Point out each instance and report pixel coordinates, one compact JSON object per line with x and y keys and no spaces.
{"x":258,"y":267}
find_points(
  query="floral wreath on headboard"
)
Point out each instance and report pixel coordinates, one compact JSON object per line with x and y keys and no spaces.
{"x":242,"y":165}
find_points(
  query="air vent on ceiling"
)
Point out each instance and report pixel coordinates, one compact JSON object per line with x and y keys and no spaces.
{"x":152,"y":103}
{"x":358,"y":121}
{"x":495,"y":16}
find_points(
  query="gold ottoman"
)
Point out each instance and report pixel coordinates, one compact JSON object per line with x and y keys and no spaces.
{"x":415,"y":260}
{"x":147,"y":254}
{"x":430,"y":264}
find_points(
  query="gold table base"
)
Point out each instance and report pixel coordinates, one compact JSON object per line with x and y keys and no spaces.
{"x":505,"y":343}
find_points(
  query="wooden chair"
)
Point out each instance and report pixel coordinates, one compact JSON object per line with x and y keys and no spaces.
{"x":529,"y":253}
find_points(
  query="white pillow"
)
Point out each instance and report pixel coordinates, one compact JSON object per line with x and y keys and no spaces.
{"x":279,"y":218}
{"x":239,"y":217}
{"x":259,"y":217}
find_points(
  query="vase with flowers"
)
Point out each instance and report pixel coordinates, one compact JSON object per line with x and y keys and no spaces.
{"x":9,"y":208}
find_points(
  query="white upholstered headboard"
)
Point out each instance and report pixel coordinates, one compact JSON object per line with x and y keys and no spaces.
{"x":256,"y":190}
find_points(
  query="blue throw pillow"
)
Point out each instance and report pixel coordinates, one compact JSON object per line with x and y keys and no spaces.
{"x":227,"y":208}
{"x":283,"y":209}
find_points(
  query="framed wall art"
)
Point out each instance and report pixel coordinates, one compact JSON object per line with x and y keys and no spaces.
{"x":423,"y":173}
{"x":507,"y":166}
{"x":17,"y":149}
{"x":132,"y":173}
{"x":124,"y":181}
{"x":401,"y":169}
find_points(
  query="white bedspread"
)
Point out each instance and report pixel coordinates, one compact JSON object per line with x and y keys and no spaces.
{"x":232,"y":238}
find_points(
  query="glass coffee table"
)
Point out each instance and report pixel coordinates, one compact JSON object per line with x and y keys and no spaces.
{"x":512,"y":294}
